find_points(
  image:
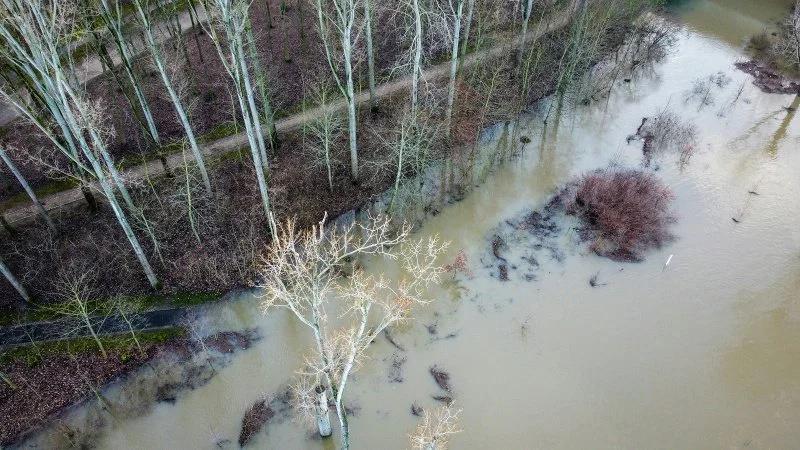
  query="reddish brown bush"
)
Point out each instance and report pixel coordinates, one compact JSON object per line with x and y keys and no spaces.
{"x":626,"y":212}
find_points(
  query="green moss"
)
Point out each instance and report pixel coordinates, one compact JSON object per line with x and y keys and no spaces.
{"x":47,"y":189}
{"x":140,"y":303}
{"x":220,"y":131}
{"x":121,"y":345}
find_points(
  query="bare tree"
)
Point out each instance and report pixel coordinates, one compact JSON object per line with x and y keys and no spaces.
{"x":143,"y":12}
{"x":35,"y":31}
{"x":81,"y":314}
{"x":368,"y":12}
{"x":452,"y":12}
{"x":324,"y":132}
{"x":303,"y":273}
{"x":232,"y":18}
{"x":110,"y":12}
{"x":523,"y":34}
{"x":263,"y":86}
{"x":30,"y":41}
{"x":410,"y":144}
{"x":788,"y":44}
{"x":467,"y":26}
{"x":434,"y":432}
{"x":337,"y":21}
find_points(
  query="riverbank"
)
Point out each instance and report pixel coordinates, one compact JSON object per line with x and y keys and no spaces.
{"x":702,"y":344}
{"x":208,"y":263}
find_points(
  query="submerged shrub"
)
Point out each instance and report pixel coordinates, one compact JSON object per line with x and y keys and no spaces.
{"x":626,"y":212}
{"x":760,"y":42}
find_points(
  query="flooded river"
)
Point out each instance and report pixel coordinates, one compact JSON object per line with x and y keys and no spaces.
{"x":701,"y":353}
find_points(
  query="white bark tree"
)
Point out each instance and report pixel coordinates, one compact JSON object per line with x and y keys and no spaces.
{"x":232,"y":17}
{"x":368,"y":13}
{"x":453,"y":13}
{"x":27,"y":187}
{"x":324,"y":132}
{"x":523,"y":34}
{"x":338,"y":23}
{"x":30,"y":36}
{"x":435,"y":430}
{"x":303,"y":273}
{"x":110,"y":12}
{"x":35,"y":31}
{"x":416,"y":51}
{"x":143,"y":13}
{"x":414,"y":14}
{"x":263,"y":87}
{"x":468,"y":26}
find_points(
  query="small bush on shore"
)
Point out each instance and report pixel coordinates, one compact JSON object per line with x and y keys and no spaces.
{"x":626,"y":212}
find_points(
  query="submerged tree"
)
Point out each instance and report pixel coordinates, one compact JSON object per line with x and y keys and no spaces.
{"x":303,"y":272}
{"x":436,"y":428}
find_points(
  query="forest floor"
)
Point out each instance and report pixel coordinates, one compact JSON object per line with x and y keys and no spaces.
{"x":56,"y":201}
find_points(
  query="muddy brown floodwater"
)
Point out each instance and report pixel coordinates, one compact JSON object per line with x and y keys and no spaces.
{"x":702,"y":353}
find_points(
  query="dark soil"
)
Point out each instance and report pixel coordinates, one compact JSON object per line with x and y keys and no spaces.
{"x":767,"y":79}
{"x":46,"y":387}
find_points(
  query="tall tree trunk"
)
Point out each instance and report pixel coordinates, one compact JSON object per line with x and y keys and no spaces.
{"x":174,"y":97}
{"x":323,"y":412}
{"x":451,"y":91}
{"x":468,"y":26}
{"x":523,"y":35}
{"x":14,"y":282}
{"x":22,"y":181}
{"x":351,"y":108}
{"x":114,"y":25}
{"x":416,"y":69}
{"x":97,"y":167}
{"x":250,"y":95}
{"x":263,"y":88}
{"x":373,"y":101}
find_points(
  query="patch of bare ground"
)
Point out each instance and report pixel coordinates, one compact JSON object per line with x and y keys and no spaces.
{"x":625,"y":212}
{"x":767,"y":79}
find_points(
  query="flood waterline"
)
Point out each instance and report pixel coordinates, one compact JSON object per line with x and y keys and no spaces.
{"x":703,"y":352}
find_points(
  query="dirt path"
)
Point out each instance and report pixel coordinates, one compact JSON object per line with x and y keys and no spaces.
{"x":26,"y":213}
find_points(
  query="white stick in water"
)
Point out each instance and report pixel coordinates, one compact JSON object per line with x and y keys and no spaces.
{"x":667,"y":263}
